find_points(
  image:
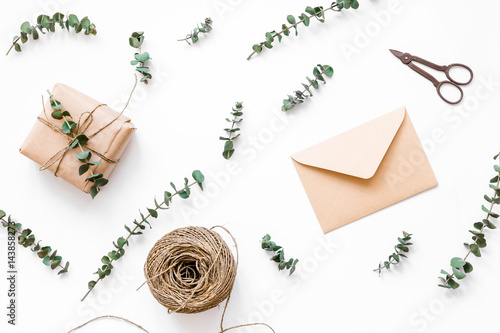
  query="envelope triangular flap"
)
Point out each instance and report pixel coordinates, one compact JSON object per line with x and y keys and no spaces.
{"x":357,"y":152}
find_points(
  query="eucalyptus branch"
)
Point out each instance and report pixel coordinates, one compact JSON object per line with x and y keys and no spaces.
{"x":300,"y":96}
{"x":316,"y":12}
{"x":140,"y":59}
{"x":114,"y":255}
{"x":395,"y":258}
{"x":228,"y":145}
{"x":49,"y":24}
{"x":205,"y":28}
{"x":279,"y":254}
{"x":27,"y":239}
{"x":79,"y":140}
{"x":461,"y":267}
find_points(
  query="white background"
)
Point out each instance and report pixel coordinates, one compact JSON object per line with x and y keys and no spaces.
{"x":180,"y":116}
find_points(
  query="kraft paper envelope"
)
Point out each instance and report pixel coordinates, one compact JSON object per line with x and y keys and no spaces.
{"x":364,"y":170}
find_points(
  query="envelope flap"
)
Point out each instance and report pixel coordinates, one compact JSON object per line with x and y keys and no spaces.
{"x":357,"y":152}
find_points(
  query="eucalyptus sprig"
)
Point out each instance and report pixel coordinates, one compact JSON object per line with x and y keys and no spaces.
{"x":279,"y":255}
{"x":27,"y":239}
{"x":79,"y":140}
{"x":138,"y":226}
{"x":49,"y":24}
{"x":395,"y":258}
{"x":300,"y":96}
{"x":228,"y":145}
{"x":140,"y":58}
{"x":316,"y":12}
{"x":460,"y":266}
{"x":205,"y":28}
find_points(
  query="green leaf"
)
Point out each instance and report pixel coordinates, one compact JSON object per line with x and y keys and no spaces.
{"x":269,"y":37}
{"x":257,"y":48}
{"x":46,"y":261}
{"x":285,"y":29}
{"x":93,"y":177}
{"x":2,"y":214}
{"x":457,"y":262}
{"x":305,"y":18}
{"x":74,"y":144}
{"x":328,"y":70}
{"x":68,"y":126}
{"x":100,"y":182}
{"x":453,"y":284}
{"x":142,"y":57}
{"x":458,"y":274}
{"x":83,"y":139}
{"x":199,"y":178}
{"x":489,"y":224}
{"x":290,"y":19}
{"x":84,"y":155}
{"x":85,"y":23}
{"x":93,"y":191}
{"x":26,"y":27}
{"x":17,"y":47}
{"x":478,"y":225}
{"x":153,"y":212}
{"x":72,"y":20}
{"x":105,"y":260}
{"x":228,"y":145}
{"x":92,"y":284}
{"x":121,"y":242}
{"x":310,"y":10}
{"x":134,"y":42}
{"x":475,"y":250}
{"x":57,"y":115}
{"x":227,"y":154}
{"x":183,"y":194}
{"x":468,"y":267}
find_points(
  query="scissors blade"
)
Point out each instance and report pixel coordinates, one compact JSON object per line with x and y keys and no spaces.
{"x":397,"y":54}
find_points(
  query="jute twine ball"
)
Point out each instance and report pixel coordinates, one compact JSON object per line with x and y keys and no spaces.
{"x":190,"y":270}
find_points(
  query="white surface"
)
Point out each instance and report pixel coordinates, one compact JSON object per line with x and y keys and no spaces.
{"x":180,"y":116}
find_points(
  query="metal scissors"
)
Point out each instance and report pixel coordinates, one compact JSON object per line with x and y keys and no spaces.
{"x":408,"y":59}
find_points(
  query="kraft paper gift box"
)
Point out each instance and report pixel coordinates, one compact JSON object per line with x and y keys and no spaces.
{"x":364,"y":170}
{"x":48,"y":147}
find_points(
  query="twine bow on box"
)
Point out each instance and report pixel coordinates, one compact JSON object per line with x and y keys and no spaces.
{"x":81,"y":127}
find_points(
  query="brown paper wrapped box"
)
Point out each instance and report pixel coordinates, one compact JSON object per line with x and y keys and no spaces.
{"x":45,"y":145}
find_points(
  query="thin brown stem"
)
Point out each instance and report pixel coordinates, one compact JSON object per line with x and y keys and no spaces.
{"x":13,"y":44}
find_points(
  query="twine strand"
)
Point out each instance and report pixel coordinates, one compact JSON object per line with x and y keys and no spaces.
{"x":113,"y":317}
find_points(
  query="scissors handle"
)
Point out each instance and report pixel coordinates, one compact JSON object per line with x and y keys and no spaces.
{"x":447,"y":72}
{"x":442,"y":83}
{"x":431,"y":64}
